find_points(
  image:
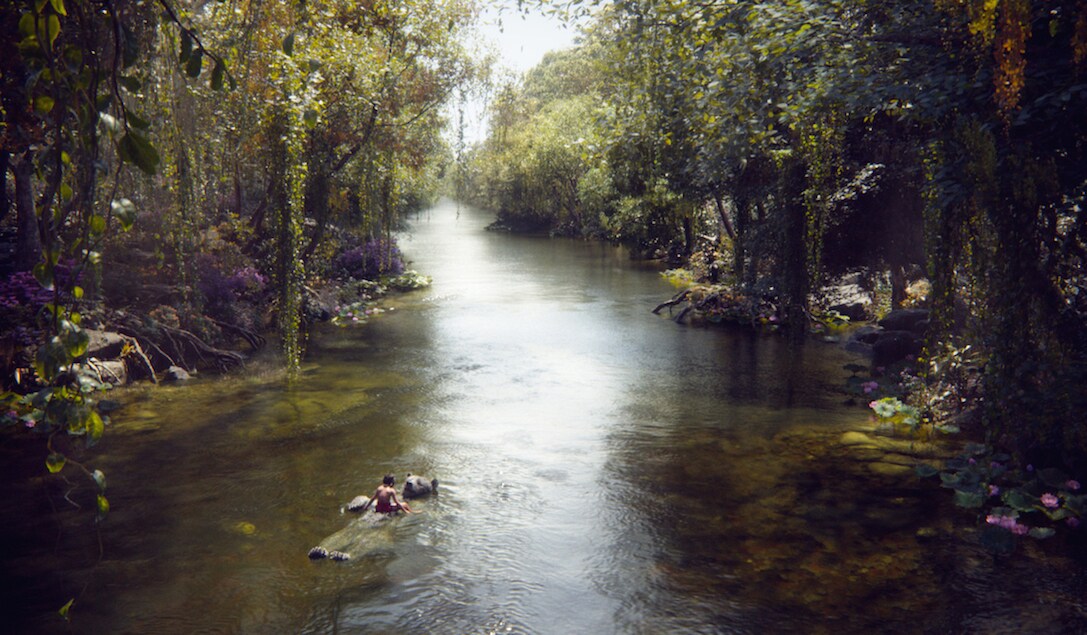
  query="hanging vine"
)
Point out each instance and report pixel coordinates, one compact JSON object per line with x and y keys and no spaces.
{"x":296,"y":112}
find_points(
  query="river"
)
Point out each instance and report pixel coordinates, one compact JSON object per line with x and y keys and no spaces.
{"x":602,"y":470}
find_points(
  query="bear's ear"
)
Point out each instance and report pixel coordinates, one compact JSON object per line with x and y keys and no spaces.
{"x":409,"y":474}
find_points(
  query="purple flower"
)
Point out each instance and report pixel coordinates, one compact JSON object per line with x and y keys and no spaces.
{"x":1072,"y":484}
{"x":1050,"y":501}
{"x":1007,"y":522}
{"x":993,"y":490}
{"x":1072,"y":522}
{"x":972,"y":461}
{"x":1030,"y":467}
{"x":869,"y":386}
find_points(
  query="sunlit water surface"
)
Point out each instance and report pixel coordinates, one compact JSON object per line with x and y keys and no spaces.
{"x":603,"y":470}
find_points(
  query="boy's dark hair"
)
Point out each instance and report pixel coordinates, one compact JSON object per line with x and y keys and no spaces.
{"x":388,"y":480}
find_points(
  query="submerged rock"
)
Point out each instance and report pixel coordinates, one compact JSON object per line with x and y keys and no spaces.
{"x":176,"y":374}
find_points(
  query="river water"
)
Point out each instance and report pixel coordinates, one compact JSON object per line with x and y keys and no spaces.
{"x":602,"y":470}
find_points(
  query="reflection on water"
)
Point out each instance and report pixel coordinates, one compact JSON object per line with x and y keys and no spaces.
{"x":603,"y":470}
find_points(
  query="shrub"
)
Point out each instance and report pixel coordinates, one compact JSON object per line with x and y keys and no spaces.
{"x":373,"y":259}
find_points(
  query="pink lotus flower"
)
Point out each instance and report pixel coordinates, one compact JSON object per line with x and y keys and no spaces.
{"x":1009,"y":523}
{"x":1050,"y":500}
{"x":1072,"y":484}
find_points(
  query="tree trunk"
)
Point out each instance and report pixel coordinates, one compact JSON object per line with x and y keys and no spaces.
{"x":28,"y":246}
{"x":722,"y":215}
{"x":796,"y":281}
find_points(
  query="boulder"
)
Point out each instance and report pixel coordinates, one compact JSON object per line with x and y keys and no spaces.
{"x":176,"y":373}
{"x":357,"y":503}
{"x":105,"y":344}
{"x":848,"y":298}
{"x":913,"y":320}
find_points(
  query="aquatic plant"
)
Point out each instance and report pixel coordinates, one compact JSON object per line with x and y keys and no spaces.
{"x":408,"y":281}
{"x":1014,"y":502}
{"x":893,"y":412}
{"x":355,"y":313}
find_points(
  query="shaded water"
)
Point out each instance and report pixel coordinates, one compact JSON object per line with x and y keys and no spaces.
{"x":603,"y":471}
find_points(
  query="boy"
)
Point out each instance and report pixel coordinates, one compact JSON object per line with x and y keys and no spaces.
{"x":385,"y":495}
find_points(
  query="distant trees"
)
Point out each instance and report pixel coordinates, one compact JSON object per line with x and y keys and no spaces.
{"x":808,"y":137}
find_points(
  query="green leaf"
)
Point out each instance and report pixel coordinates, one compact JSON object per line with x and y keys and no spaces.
{"x":196,"y":63}
{"x":136,"y":121}
{"x":186,"y":47}
{"x":55,"y":462}
{"x":125,"y":212}
{"x":949,"y":479}
{"x":43,"y":104}
{"x":77,"y":293}
{"x":44,"y":275}
{"x":969,"y":500}
{"x":98,"y":224}
{"x":100,"y":480}
{"x":217,"y":75}
{"x":288,"y":44}
{"x":103,"y":506}
{"x":135,"y":149}
{"x":1020,"y":501}
{"x":27,"y":25}
{"x":95,"y":428}
{"x":58,"y":6}
{"x":1041,"y":532}
{"x":64,"y":610}
{"x":77,"y":343}
{"x":1076,"y":504}
{"x":52,"y":26}
{"x":65,"y":192}
{"x":925,"y":470}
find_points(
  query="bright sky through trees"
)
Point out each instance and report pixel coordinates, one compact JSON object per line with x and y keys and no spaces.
{"x":520,"y":40}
